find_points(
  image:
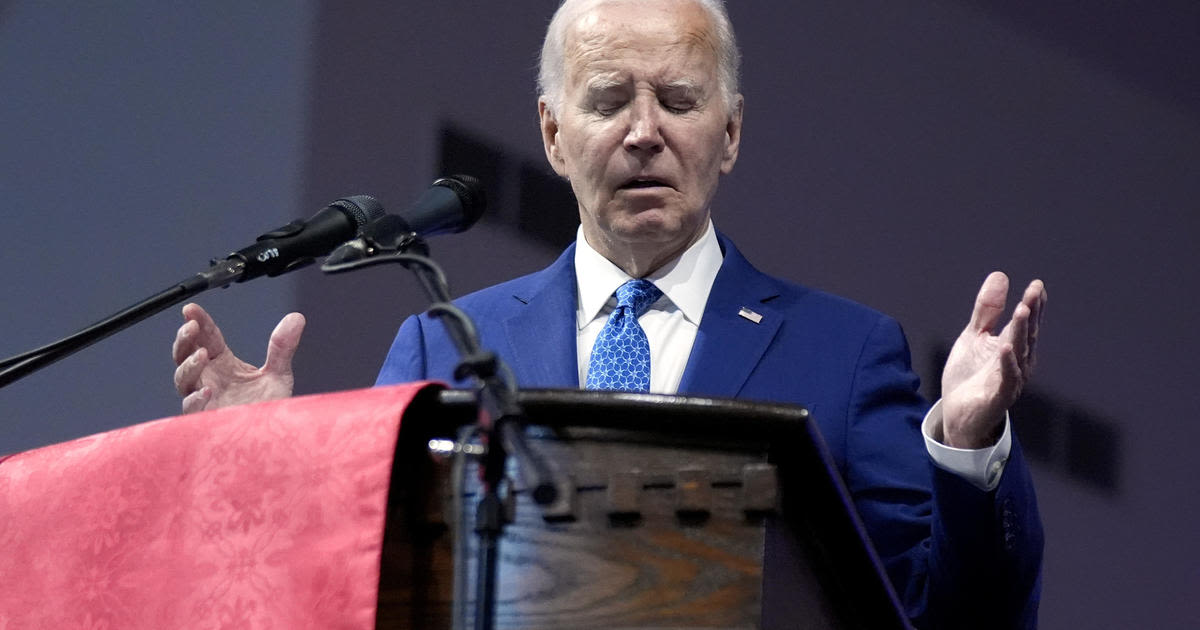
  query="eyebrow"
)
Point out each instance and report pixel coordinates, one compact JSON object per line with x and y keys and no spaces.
{"x":685,"y":89}
{"x":602,"y":82}
{"x":682,"y":85}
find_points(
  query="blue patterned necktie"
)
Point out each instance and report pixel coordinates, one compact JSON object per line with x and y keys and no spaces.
{"x":621,"y":357}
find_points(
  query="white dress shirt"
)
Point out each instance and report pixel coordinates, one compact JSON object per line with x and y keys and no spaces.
{"x":671,"y":323}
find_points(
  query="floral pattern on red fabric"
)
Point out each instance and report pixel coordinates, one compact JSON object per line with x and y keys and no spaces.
{"x":261,"y":516}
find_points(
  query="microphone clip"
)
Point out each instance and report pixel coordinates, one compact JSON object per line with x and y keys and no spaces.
{"x":391,"y":235}
{"x":387,"y":237}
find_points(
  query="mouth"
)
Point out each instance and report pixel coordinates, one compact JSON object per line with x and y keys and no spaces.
{"x":638,"y":183}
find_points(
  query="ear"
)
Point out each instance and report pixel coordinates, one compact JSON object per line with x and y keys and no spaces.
{"x":733,"y":135}
{"x":549,"y":125}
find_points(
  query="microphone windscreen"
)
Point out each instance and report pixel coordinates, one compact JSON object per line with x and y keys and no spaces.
{"x":362,"y":209}
{"x":451,"y":205}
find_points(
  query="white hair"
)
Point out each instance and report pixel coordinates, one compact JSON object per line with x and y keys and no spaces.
{"x":553,"y":60}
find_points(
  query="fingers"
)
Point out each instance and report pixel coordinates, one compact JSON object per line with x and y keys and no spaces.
{"x":197,"y":400}
{"x":189,"y":372}
{"x":284,"y":341}
{"x":198,"y":331}
{"x":1016,"y":334}
{"x":989,"y":303}
{"x":1035,"y":299}
{"x":1021,"y":332}
{"x":1012,"y":377}
{"x":184,"y":344}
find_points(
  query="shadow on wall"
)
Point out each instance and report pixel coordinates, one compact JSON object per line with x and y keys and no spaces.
{"x":542,"y":207}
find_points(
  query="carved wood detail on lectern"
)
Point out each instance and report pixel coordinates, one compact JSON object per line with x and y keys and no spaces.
{"x":644,"y":536}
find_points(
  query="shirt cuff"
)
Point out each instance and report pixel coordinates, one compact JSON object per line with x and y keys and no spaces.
{"x":982,"y":467}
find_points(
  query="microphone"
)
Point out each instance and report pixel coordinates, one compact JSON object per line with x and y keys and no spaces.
{"x":296,"y":244}
{"x":450,"y":205}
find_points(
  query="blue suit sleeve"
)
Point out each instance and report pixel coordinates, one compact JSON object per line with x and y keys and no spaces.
{"x":406,"y":360}
{"x":960,"y":557}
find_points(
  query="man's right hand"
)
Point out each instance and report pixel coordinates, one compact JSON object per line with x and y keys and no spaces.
{"x":208,"y":375}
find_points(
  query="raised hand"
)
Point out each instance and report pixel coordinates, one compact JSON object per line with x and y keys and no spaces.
{"x":986,"y":369}
{"x":208,"y":375}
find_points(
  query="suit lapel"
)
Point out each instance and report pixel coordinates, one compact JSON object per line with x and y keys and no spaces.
{"x":729,"y":346}
{"x":541,"y":335}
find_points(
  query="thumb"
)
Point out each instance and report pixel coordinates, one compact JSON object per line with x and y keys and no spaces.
{"x":284,"y":341}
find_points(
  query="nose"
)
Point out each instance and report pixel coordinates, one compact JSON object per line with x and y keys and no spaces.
{"x":645,"y":131}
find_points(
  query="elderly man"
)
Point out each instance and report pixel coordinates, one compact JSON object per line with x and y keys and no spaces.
{"x":640,"y":111}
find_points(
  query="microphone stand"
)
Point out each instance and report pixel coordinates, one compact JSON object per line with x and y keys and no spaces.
{"x":500,"y":415}
{"x":221,"y":274}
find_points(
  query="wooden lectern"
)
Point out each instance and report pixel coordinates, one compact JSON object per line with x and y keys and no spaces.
{"x":673,"y":512}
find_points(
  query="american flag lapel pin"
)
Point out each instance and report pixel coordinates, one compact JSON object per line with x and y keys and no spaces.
{"x":750,"y":315}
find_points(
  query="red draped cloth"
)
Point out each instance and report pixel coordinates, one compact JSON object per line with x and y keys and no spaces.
{"x":261,"y":516}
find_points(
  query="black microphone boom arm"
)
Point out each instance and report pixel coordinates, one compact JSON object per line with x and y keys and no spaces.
{"x":274,"y":253}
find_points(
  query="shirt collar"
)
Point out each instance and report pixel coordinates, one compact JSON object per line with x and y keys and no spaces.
{"x":686,"y":281}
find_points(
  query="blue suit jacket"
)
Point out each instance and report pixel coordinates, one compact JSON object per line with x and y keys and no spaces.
{"x":958,"y":557}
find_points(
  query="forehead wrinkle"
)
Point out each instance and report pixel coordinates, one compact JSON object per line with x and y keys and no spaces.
{"x":593,"y":38}
{"x":598,"y":44}
{"x":704,"y":40}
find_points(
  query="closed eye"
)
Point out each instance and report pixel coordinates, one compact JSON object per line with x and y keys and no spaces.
{"x":607,"y":97}
{"x":608,"y":108}
{"x":678,"y":107}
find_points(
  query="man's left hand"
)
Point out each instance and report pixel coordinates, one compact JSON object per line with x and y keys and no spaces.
{"x":985,"y":372}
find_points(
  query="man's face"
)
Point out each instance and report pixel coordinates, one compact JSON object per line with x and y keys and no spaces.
{"x":643,"y":131}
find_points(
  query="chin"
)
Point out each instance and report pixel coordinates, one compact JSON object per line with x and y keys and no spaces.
{"x":655,"y":227}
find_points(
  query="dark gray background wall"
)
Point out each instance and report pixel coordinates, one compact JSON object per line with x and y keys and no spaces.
{"x":137,"y":141}
{"x":893,"y":152}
